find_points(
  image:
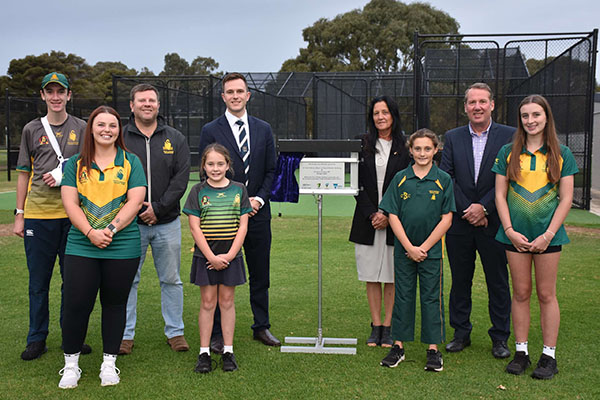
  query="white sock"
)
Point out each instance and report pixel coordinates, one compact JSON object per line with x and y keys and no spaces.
{"x":109,"y":358}
{"x":205,"y":350}
{"x":522,"y":346}
{"x":228,"y":349}
{"x":549,"y":351}
{"x":72,"y":359}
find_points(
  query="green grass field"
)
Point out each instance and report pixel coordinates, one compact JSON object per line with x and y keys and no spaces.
{"x":154,"y":371}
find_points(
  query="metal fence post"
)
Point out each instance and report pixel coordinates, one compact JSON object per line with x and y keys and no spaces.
{"x":7,"y":131}
{"x":587,"y":192}
{"x":416,"y":81}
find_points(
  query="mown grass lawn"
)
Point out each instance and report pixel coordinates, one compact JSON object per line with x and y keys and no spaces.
{"x":153,"y":371}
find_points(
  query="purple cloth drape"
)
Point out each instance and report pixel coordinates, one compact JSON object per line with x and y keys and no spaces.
{"x":285,"y":187}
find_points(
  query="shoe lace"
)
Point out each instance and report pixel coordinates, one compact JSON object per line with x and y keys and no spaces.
{"x":432,"y":355}
{"x":69,"y":368}
{"x":394,"y":353}
{"x":544,"y":362}
{"x":109,"y":369}
{"x":520,"y":357}
{"x":213,"y":363}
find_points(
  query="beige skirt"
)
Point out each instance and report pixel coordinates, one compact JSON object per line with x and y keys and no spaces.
{"x":375,"y":263}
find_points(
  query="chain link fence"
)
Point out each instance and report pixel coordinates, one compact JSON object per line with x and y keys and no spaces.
{"x":328,"y":105}
{"x":560,"y":67}
{"x":189,"y":102}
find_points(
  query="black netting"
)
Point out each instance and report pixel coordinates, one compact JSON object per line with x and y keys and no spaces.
{"x":333,"y":105}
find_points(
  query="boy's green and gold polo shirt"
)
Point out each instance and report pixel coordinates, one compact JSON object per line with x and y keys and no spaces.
{"x":37,"y":157}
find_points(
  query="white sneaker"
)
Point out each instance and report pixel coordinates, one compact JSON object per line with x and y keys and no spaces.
{"x":70,"y":376}
{"x":109,"y":374}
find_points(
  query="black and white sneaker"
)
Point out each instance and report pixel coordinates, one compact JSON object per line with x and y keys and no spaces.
{"x":434,"y":361}
{"x":519,"y":364}
{"x":204,"y":363}
{"x":394,"y":357}
{"x":229,"y":363}
{"x":546,"y":368}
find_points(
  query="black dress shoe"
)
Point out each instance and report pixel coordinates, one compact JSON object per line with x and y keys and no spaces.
{"x":216,"y":343}
{"x":267,"y":338}
{"x":500,"y":349}
{"x":34,"y":350}
{"x":457,"y":345}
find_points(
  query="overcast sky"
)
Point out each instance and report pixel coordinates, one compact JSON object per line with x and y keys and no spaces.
{"x":245,"y":36}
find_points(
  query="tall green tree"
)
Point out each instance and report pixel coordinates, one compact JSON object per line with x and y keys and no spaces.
{"x":176,"y":65}
{"x":377,"y":38}
{"x":27,"y":73}
{"x":102,"y":80}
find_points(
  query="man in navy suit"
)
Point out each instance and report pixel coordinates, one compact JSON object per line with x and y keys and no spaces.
{"x":254,"y":163}
{"x":468,"y":155}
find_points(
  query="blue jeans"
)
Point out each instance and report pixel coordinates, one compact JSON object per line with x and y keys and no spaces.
{"x":44,"y":240}
{"x":165,"y":241}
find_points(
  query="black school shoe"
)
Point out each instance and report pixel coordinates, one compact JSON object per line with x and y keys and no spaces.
{"x":34,"y":350}
{"x":519,"y":364}
{"x":546,"y":368}
{"x":229,"y":363}
{"x":204,"y":363}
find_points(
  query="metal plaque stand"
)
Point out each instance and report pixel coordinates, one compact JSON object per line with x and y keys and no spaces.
{"x":319,"y":343}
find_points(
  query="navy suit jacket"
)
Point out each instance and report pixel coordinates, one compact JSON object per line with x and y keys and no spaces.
{"x":262,"y":157}
{"x":457,"y":160}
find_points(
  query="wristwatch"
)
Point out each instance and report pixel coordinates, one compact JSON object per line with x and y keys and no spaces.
{"x":19,"y":211}
{"x":485,"y":211}
{"x":112,"y":228}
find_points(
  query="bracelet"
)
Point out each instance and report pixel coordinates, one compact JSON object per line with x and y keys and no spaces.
{"x":546,"y":239}
{"x":509,"y":227}
{"x":553,"y":234}
{"x":88,"y":232}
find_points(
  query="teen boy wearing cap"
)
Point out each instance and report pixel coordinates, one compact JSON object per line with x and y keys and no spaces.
{"x":40,"y":217}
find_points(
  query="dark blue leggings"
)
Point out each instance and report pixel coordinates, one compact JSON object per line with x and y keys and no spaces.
{"x":82,"y":278}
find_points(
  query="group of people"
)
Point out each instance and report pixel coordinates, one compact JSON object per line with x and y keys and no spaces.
{"x":97,"y":194}
{"x":499,"y":192}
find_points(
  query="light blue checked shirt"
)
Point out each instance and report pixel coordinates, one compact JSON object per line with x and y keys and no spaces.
{"x":479,"y":142}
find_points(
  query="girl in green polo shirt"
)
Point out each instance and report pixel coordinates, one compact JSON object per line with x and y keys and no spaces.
{"x":534,"y":192}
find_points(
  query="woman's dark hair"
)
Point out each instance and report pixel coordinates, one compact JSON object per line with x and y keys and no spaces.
{"x":89,"y":145}
{"x":372,"y":134}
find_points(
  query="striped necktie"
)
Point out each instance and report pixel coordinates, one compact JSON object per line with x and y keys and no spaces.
{"x":244,"y":147}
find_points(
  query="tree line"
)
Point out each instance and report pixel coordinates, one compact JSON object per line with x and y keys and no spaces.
{"x":90,"y":81}
{"x":378,"y":37}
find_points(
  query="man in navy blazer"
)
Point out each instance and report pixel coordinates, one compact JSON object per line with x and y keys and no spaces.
{"x":468,"y":156}
{"x":226,"y":130}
